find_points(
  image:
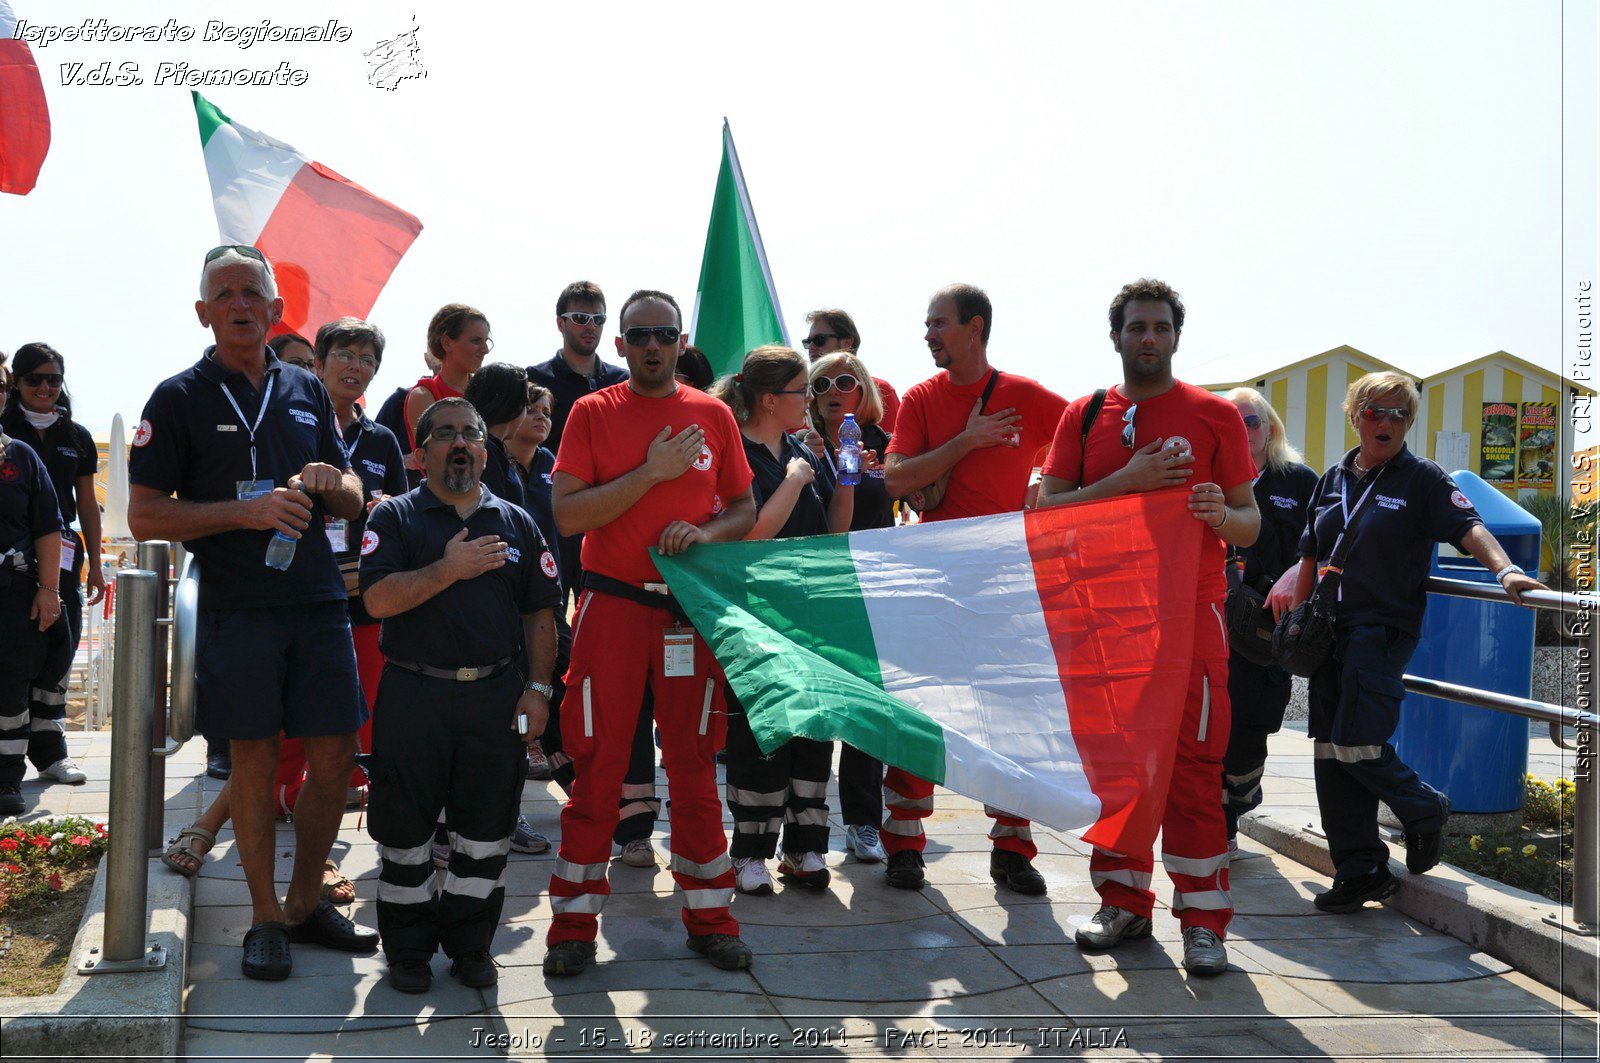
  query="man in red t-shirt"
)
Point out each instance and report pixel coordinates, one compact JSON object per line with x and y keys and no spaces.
{"x":645,"y":463}
{"x":1152,"y":432}
{"x":983,"y":430}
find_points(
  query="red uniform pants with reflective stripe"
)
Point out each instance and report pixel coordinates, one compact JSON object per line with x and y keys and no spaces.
{"x":291,"y":751}
{"x":908,"y":800}
{"x":617,"y":649}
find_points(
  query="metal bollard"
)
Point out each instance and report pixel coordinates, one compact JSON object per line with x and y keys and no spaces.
{"x":156,"y":556}
{"x":127,"y":864}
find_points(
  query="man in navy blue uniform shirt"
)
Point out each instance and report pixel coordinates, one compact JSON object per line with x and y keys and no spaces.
{"x":467,"y":591}
{"x":229,"y":452}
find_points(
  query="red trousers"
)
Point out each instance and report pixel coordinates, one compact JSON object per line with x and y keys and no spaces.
{"x":908,"y":800}
{"x":1194,"y":829}
{"x":292,"y":752}
{"x":617,"y":649}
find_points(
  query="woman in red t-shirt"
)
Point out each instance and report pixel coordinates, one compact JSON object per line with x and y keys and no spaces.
{"x":458,"y":336}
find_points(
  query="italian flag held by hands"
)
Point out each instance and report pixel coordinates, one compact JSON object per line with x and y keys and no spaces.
{"x":24,"y":115}
{"x":332,"y":244}
{"x":1036,"y":661}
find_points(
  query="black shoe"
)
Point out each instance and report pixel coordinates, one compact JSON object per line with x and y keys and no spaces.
{"x":219,"y":766}
{"x":1424,"y":848}
{"x":11,"y":803}
{"x":1014,"y":872}
{"x":904,"y":870}
{"x":327,"y":927}
{"x":725,"y":951}
{"x":475,"y":970}
{"x":566,"y":958}
{"x":1348,"y":895}
{"x":410,"y":976}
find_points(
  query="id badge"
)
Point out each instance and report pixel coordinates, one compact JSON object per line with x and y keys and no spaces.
{"x":247,"y":490}
{"x":338,"y":534}
{"x":69,"y":552}
{"x":679,"y":653}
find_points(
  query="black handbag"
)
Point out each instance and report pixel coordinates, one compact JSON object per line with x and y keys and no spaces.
{"x":1303,"y":638}
{"x":930,"y":496}
{"x":1249,"y":620}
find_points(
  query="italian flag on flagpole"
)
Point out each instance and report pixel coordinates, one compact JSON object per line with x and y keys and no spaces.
{"x":1035,"y":661}
{"x":332,"y":244}
{"x":24,"y":115}
{"x":736,"y":305}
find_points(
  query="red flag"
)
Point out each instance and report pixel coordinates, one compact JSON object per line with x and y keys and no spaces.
{"x":24,"y":117}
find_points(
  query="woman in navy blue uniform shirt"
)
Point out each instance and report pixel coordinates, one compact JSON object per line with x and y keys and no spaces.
{"x":1396,"y":506}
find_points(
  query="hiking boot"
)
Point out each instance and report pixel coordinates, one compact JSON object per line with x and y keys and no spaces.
{"x":475,"y":970}
{"x":904,"y":870}
{"x":865,"y":844}
{"x":723,"y":950}
{"x":11,"y":803}
{"x":1349,"y":895}
{"x":639,"y":853}
{"x":65,"y":770}
{"x":1015,"y":872}
{"x":567,"y":958}
{"x":410,"y":976}
{"x":806,"y":869}
{"x":1423,"y":848}
{"x":1203,"y":952}
{"x":524,"y":839}
{"x":1111,"y":926}
{"x":750,"y":876}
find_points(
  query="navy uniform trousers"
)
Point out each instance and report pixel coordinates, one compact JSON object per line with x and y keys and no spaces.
{"x":787,"y":790}
{"x":1260,"y":694}
{"x":33,"y":676}
{"x":1355,"y":708}
{"x":441,"y":745}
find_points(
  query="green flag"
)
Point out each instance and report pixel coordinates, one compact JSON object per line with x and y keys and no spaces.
{"x":736,"y":307}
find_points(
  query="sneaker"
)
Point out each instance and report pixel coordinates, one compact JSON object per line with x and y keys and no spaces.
{"x":1203,"y":952}
{"x":524,"y":839}
{"x":1423,"y":848}
{"x":806,"y":869}
{"x":865,"y":844}
{"x":567,"y":958}
{"x":1349,"y":895}
{"x":65,"y":770}
{"x":475,"y":970}
{"x":904,"y":870}
{"x":11,"y":803}
{"x":410,"y":976}
{"x":1111,"y":926}
{"x":750,"y":876}
{"x":639,"y":853}
{"x":723,"y":950}
{"x":1015,"y":872}
{"x":441,"y":856}
{"x":538,"y":765}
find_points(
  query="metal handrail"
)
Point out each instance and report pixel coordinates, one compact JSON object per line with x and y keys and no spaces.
{"x":1586,"y":799}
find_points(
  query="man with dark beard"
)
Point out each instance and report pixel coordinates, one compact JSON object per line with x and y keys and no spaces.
{"x":466,"y":590}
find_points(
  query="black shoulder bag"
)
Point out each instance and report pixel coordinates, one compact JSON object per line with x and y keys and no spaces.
{"x":1303,"y":639}
{"x":1249,"y":620}
{"x":930,"y":496}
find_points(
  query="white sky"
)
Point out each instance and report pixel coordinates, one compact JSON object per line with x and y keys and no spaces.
{"x":1309,"y":174}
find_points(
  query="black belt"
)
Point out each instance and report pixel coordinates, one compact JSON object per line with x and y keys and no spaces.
{"x":459,"y":675}
{"x":646,"y":595}
{"x":11,"y":578}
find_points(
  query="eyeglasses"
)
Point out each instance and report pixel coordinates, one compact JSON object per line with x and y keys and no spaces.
{"x":1398,"y":414}
{"x":844,"y":383}
{"x":345,"y":357}
{"x":818,"y":339}
{"x":40,"y":380}
{"x":446,"y":434}
{"x":578,"y":317}
{"x":640,"y":335}
{"x":792,"y":391}
{"x":1127,"y":426}
{"x":1252,"y":422}
{"x":244,"y":249}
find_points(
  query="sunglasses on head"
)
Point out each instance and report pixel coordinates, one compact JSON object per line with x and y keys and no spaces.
{"x":578,"y":317}
{"x":844,"y":383}
{"x":819,"y":339}
{"x":36,"y":380}
{"x":640,"y":335}
{"x":1127,"y":426}
{"x":1385,"y":413}
{"x":244,"y":249}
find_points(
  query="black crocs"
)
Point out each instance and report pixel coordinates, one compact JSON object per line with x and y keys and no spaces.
{"x":266,"y":952}
{"x":327,"y":927}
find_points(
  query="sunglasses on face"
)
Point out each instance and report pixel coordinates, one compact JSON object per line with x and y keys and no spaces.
{"x":42,"y":380}
{"x":578,"y":317}
{"x":1385,"y":413}
{"x":471,"y":434}
{"x":819,"y":339}
{"x":244,"y":249}
{"x":844,"y":383}
{"x":640,"y":335}
{"x":1251,"y":422}
{"x":1127,"y":426}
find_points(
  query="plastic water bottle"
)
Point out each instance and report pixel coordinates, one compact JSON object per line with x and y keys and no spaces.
{"x":849,"y":451}
{"x":280,"y":552}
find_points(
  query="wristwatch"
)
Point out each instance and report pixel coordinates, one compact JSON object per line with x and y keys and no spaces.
{"x":543,"y":689}
{"x":1501,"y":575}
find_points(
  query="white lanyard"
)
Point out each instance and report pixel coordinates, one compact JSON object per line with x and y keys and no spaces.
{"x":266,"y":399}
{"x":350,"y":451}
{"x":1349,"y":514}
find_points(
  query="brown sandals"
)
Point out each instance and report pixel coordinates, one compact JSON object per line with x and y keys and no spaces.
{"x":181,"y":855}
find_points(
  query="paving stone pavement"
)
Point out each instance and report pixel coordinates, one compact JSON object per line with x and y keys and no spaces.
{"x":959,"y":970}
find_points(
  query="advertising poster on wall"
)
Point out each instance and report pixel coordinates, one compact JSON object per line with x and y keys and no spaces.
{"x":1536,"y":451}
{"x":1497,"y":451}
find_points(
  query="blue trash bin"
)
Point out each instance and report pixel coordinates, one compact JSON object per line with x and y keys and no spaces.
{"x":1476,"y":756}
